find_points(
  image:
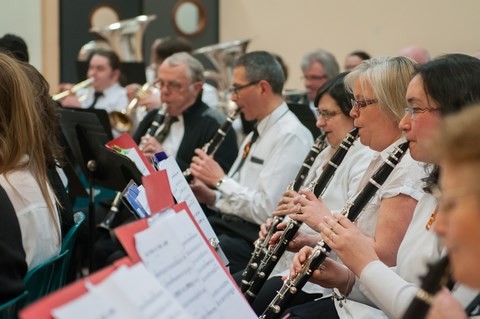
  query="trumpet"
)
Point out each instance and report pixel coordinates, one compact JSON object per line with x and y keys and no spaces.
{"x":73,"y":89}
{"x":122,"y":121}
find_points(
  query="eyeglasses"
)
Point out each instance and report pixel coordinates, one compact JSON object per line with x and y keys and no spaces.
{"x":326,"y":115}
{"x":357,"y":104}
{"x":416,"y":110}
{"x":237,"y":89}
{"x":171,"y":86}
{"x":313,"y":77}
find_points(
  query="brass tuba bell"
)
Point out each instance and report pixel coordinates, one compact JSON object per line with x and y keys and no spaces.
{"x":223,"y":56}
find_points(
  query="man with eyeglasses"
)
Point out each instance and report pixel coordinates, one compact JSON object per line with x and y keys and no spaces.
{"x":317,"y":67}
{"x":267,"y":162}
{"x":188,"y":123}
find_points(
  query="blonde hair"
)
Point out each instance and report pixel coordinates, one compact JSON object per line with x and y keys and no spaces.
{"x":22,"y":127}
{"x":389,"y":78}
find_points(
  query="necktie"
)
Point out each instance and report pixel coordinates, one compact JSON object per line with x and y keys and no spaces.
{"x":246,"y":150}
{"x":96,"y":95}
{"x":167,"y":124}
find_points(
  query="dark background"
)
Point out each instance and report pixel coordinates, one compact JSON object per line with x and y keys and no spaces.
{"x":75,"y":25}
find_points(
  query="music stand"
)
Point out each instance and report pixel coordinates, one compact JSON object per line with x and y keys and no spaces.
{"x":86,"y":138}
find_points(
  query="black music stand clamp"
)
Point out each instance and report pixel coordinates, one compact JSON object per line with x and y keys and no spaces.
{"x":86,"y":138}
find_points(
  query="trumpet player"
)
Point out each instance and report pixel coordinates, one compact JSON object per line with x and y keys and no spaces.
{"x":105,"y":92}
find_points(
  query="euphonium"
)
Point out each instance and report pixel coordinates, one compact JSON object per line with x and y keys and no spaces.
{"x":318,"y":187}
{"x":122,"y":121}
{"x":73,"y":89}
{"x":321,"y":251}
{"x":212,"y":146}
{"x":261,"y":245}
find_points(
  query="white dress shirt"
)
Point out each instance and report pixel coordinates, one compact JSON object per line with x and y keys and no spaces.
{"x":392,"y":288}
{"x":406,"y":178}
{"x":41,"y":234}
{"x":113,"y":99}
{"x":273,"y":161}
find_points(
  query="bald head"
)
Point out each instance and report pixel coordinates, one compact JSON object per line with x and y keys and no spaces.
{"x":419,"y":55}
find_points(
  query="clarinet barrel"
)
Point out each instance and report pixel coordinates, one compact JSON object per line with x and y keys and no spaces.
{"x":212,"y":146}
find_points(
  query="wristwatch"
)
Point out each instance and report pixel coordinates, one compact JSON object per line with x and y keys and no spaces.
{"x":219,"y":182}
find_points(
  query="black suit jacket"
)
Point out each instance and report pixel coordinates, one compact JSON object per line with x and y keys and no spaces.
{"x":201,"y":124}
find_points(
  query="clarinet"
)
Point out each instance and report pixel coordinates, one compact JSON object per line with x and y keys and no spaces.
{"x":212,"y":146}
{"x":107,"y":222}
{"x":275,"y":252}
{"x":436,"y":277}
{"x":261,"y":245}
{"x":322,"y":250}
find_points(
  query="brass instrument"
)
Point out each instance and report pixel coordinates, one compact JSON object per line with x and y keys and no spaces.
{"x":124,"y":37}
{"x":73,"y":89}
{"x":223,"y":56}
{"x":122,"y":121}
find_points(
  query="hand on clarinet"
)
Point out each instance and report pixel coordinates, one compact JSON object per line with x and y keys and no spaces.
{"x":205,"y":168}
{"x":150,"y":146}
{"x":300,"y":239}
{"x":445,"y":306}
{"x":331,"y":274}
{"x":309,"y":209}
{"x":286,"y":203}
{"x":354,"y":248}
{"x":202,"y":192}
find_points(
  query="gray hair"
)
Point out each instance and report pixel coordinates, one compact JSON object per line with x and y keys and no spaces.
{"x":389,"y":78}
{"x":195,"y":68}
{"x":325,"y":58}
{"x":261,"y":65}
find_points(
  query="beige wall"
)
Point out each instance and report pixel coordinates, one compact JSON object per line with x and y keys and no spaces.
{"x":292,"y":27}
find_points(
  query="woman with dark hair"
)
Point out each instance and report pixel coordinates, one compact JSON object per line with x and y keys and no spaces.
{"x":333,"y":103}
{"x":442,"y":86}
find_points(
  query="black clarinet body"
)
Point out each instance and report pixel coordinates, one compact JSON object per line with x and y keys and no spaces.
{"x":212,"y":146}
{"x":157,"y":121}
{"x":322,"y":250}
{"x":436,"y":277}
{"x":107,"y":222}
{"x":274,"y":253}
{"x":260,"y":246}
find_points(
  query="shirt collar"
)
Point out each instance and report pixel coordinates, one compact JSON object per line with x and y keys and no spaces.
{"x":271,"y":118}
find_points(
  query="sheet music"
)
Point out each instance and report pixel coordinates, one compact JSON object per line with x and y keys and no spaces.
{"x":184,"y":263}
{"x":133,"y":155}
{"x":148,"y":296}
{"x":96,"y":305}
{"x":183,"y":193}
{"x":127,"y":293}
